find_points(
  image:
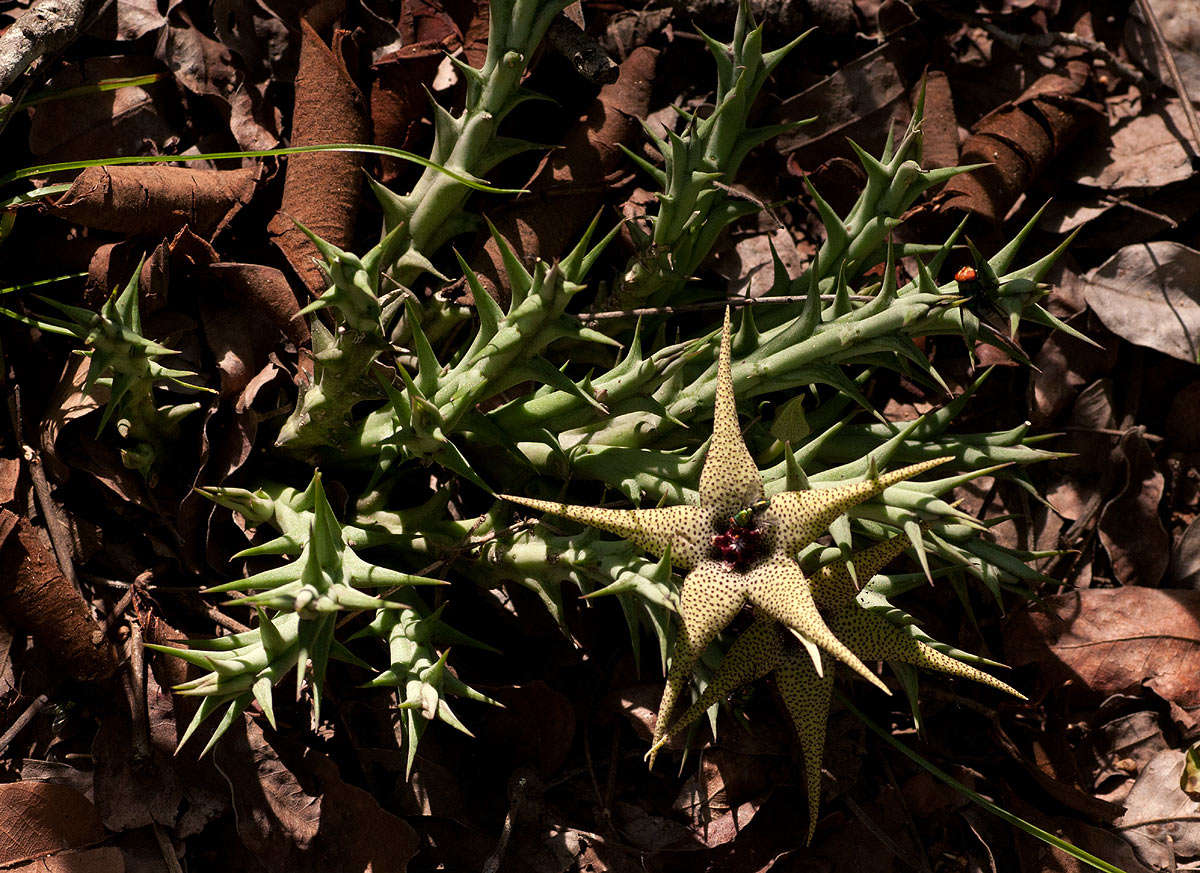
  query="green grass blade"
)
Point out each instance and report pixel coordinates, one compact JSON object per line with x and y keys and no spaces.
{"x":38,"y":283}
{"x":1015,"y":820}
{"x":83,"y":90}
{"x":359,"y":148}
{"x":36,"y":194}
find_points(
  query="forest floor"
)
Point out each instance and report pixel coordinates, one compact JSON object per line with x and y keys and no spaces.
{"x":1074,"y":106}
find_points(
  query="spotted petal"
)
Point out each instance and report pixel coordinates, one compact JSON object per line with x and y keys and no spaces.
{"x":778,"y":589}
{"x":799,"y":517}
{"x":712,"y":596}
{"x":754,"y":654}
{"x":730,"y":479}
{"x":806,"y":695}
{"x":686,"y":530}
{"x":873,"y":637}
{"x":833,"y":587}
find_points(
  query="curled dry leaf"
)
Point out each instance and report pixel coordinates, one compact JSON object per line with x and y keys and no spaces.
{"x":1018,"y":140}
{"x":1147,"y":294}
{"x":36,"y":597}
{"x":156,"y":199}
{"x":321,"y":190}
{"x":1114,"y":640}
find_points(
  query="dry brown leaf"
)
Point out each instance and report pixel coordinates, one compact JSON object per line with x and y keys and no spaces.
{"x":1157,"y":808}
{"x":38,"y":818}
{"x":298,"y":814}
{"x":35,"y":596}
{"x":108,"y":859}
{"x":122,"y":122}
{"x":1147,"y":294}
{"x":1114,"y":640}
{"x":1148,"y":151}
{"x":1018,"y":140}
{"x":266,"y":290}
{"x":1130,"y":527}
{"x":867,"y":96}
{"x":1180,"y":23}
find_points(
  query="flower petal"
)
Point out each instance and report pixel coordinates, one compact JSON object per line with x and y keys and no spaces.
{"x":730,"y":479}
{"x":778,"y":589}
{"x":711,"y":597}
{"x":873,"y":637}
{"x":686,"y":530}
{"x":754,"y":654}
{"x":800,"y":517}
{"x":832,"y":585}
{"x":806,"y":696}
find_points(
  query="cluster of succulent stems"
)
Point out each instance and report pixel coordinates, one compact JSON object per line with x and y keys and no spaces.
{"x":741,"y":513}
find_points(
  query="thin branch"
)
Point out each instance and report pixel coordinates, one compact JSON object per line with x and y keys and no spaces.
{"x":733,"y":302}
{"x":44,"y":28}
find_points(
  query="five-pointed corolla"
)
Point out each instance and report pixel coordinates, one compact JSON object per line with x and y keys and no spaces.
{"x":740,"y":549}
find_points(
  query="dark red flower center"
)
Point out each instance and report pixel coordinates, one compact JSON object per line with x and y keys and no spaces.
{"x":737,"y":545}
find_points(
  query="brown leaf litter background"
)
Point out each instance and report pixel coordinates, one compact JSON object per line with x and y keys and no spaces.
{"x":1068,"y":103}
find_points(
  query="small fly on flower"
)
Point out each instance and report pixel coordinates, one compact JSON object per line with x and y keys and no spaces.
{"x":745,"y":517}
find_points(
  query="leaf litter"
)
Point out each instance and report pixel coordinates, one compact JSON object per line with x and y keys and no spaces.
{"x":1113,"y":647}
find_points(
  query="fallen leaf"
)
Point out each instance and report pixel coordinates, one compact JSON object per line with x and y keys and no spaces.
{"x":266,"y":290}
{"x":1147,"y":294}
{"x":108,"y":859}
{"x":294,"y":811}
{"x":175,"y":791}
{"x":1180,"y":23}
{"x":38,"y":818}
{"x":1124,"y":746}
{"x":156,"y":199}
{"x":36,"y":596}
{"x":128,"y":19}
{"x":321,"y":190}
{"x":1113,"y":641}
{"x":1017,"y":140}
{"x":1185,"y":558}
{"x":862,"y":100}
{"x":110,"y":124}
{"x":1148,"y":151}
{"x":1157,"y":808}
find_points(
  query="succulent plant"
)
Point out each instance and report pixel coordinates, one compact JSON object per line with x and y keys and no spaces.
{"x":124,"y":362}
{"x":297,"y":606}
{"x":699,"y":165}
{"x":416,"y":225}
{"x":532,"y":400}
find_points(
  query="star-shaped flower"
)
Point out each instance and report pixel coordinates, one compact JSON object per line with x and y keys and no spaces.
{"x":739,"y":548}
